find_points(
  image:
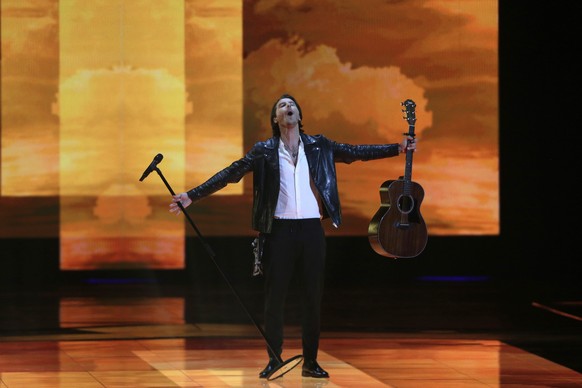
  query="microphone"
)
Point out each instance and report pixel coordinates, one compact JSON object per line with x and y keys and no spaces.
{"x":157,"y":159}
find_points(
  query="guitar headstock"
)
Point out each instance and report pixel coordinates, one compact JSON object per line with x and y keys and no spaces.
{"x":410,"y":115}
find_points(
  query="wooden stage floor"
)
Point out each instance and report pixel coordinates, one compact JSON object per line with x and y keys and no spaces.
{"x":417,"y":335}
{"x":352,"y":361}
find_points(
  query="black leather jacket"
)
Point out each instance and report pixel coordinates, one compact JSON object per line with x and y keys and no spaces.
{"x":263,"y":159}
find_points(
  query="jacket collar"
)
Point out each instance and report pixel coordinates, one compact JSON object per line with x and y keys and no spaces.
{"x":273,"y":142}
{"x":307,"y":139}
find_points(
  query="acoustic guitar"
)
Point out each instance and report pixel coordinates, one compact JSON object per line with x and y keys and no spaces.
{"x":398,"y":230}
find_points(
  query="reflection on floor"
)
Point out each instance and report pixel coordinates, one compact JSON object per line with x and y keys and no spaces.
{"x":409,"y":335}
{"x":227,"y":358}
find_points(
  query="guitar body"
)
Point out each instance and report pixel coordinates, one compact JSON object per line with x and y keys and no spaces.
{"x":397,"y":229}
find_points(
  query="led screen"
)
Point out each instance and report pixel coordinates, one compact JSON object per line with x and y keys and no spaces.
{"x":92,"y":91}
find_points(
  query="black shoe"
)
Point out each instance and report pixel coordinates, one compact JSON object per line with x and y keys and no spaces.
{"x":269,"y":369}
{"x":311,"y":368}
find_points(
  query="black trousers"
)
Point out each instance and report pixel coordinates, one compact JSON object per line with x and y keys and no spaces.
{"x":294,"y":244}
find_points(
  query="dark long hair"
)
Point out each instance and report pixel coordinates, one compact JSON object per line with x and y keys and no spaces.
{"x":274,"y":125}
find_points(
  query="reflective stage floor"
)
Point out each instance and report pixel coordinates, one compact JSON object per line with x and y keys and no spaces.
{"x":441,"y":333}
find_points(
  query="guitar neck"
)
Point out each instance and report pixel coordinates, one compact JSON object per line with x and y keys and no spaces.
{"x":408,"y":166}
{"x":409,"y":106}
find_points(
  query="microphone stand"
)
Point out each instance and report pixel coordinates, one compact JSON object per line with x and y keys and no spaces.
{"x":283,"y":366}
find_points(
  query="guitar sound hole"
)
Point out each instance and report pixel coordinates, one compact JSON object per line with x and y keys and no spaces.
{"x":405,"y":203}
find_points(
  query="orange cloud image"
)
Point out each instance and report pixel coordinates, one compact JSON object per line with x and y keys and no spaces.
{"x":92,"y":93}
{"x":111,"y":120}
{"x":214,"y":82}
{"x":351,"y":65}
{"x":118,"y":106}
{"x":29,"y":157}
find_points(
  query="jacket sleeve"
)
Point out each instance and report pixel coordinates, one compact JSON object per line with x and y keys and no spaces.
{"x":230,"y":174}
{"x":348,"y":153}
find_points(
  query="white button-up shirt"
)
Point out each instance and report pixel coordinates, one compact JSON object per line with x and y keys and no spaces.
{"x":298,"y":196}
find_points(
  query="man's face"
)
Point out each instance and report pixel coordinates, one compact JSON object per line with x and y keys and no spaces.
{"x":287,"y":113}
